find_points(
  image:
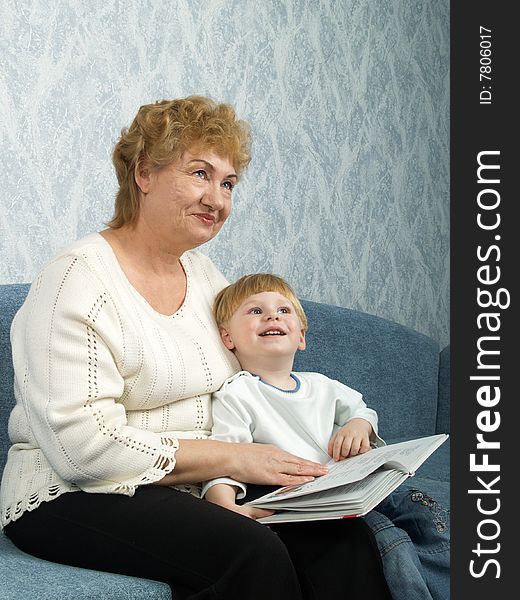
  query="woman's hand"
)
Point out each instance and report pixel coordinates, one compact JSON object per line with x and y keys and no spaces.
{"x":265,"y":464}
{"x":353,"y":438}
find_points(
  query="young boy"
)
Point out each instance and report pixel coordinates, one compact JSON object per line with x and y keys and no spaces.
{"x":308,"y":414}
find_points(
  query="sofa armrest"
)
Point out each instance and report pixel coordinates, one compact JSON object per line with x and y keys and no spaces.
{"x":443,"y":405}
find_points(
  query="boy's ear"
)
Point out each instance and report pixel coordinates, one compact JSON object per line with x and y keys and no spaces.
{"x":226,"y":338}
{"x":302,"y":343}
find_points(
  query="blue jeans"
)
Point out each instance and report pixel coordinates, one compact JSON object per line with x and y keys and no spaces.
{"x":412,"y":531}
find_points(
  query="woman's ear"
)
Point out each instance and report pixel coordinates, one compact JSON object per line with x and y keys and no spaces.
{"x":143,"y":176}
{"x":226,"y":338}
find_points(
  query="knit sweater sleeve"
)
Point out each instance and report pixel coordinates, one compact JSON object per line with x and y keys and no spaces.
{"x":68,"y":344}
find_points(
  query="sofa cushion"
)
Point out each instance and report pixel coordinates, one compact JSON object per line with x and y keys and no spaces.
{"x":23,"y":577}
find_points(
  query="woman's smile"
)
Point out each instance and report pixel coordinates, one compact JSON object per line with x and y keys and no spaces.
{"x":206,"y":218}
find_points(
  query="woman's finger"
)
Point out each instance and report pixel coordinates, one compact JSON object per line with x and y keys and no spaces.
{"x":292,"y":480}
{"x":303,"y":468}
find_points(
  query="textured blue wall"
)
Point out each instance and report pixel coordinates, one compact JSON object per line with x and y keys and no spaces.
{"x":347,"y":195}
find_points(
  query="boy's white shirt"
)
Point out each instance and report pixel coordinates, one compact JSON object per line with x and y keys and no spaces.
{"x":246,"y":409}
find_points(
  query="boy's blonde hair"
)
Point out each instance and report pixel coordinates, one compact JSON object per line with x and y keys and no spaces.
{"x":232,"y":296}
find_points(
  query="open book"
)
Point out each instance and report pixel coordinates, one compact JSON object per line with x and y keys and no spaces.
{"x":352,"y":487}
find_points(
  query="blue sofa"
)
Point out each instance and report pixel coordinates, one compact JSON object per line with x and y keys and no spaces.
{"x":401,"y":373}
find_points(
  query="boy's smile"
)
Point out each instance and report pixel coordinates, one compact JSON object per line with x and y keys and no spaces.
{"x":273,"y":331}
{"x":265,"y":325}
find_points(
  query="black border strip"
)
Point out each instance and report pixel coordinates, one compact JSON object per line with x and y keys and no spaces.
{"x":477,"y":127}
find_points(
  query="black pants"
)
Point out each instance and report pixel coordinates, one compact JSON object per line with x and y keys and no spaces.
{"x":201,"y":550}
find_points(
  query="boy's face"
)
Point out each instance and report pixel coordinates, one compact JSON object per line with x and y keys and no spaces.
{"x":264,"y":324}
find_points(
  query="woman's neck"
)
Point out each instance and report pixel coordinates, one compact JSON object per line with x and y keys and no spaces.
{"x":134,"y":246}
{"x":158,"y":277}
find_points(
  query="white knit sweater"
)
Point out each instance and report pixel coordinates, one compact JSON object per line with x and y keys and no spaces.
{"x":104,"y":384}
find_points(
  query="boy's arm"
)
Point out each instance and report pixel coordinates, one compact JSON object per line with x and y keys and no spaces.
{"x":231,"y":423}
{"x":224,"y":495}
{"x":357,"y":424}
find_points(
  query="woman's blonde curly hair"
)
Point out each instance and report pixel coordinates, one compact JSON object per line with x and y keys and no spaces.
{"x":162,"y":131}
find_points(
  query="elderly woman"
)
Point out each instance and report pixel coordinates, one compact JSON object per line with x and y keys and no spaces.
{"x":116,"y":355}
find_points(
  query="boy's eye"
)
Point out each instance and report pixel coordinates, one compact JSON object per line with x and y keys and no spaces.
{"x":285,"y":310}
{"x":255,"y":311}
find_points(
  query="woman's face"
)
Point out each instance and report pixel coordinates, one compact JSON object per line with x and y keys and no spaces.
{"x":186,"y":203}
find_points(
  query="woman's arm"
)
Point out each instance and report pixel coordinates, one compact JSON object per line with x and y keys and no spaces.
{"x":232,"y":454}
{"x":264,"y":464}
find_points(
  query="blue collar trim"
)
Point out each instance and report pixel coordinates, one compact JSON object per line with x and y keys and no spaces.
{"x":293,"y":391}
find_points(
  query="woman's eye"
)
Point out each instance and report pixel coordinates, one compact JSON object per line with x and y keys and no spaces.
{"x":200,"y":173}
{"x":228,"y":185}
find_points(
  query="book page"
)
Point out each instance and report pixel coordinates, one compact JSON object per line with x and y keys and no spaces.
{"x":352,"y":500}
{"x":351,"y":494}
{"x":403,"y":456}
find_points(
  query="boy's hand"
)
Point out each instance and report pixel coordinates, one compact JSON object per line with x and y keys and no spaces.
{"x":249,"y":511}
{"x":353,"y":438}
{"x":224,"y":495}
